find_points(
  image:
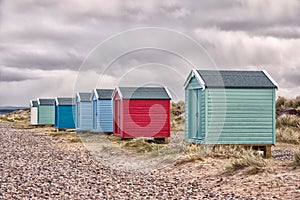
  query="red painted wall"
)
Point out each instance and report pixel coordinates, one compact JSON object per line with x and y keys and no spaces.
{"x":142,"y":118}
{"x":117,"y":115}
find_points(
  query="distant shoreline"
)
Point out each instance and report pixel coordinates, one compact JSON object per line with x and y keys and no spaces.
{"x":8,"y":109}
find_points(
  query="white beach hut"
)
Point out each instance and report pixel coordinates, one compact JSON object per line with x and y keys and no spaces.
{"x":33,"y":112}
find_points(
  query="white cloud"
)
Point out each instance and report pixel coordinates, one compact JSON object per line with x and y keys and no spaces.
{"x":240,"y":48}
{"x":42,"y":43}
{"x":237,"y":49}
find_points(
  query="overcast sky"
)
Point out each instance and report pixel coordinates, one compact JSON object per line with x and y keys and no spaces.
{"x":44,"y":43}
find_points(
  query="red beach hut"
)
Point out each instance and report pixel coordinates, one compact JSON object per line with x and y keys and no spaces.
{"x":142,"y":112}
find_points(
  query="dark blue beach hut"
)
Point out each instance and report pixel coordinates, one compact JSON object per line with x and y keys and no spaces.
{"x":102,"y":110}
{"x":64,"y":113}
{"x":83,"y":112}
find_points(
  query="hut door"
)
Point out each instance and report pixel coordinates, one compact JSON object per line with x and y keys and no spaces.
{"x":195,"y":114}
{"x":94,"y":114}
{"x":78,"y":115}
{"x":56,"y":115}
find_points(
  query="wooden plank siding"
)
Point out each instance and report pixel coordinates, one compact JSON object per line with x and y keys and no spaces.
{"x":104,"y":116}
{"x":240,"y":116}
{"x":117,"y":113}
{"x":230,"y":115}
{"x":45,"y":114}
{"x":84,"y":116}
{"x":136,"y":116}
{"x":102,"y":110}
{"x":64,"y":117}
{"x":33,"y":115}
{"x":190,"y":126}
{"x":141,"y":112}
{"x":186,"y":116}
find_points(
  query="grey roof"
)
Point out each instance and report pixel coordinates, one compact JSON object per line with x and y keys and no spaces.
{"x":144,"y":93}
{"x":46,"y":101}
{"x":104,"y":94}
{"x":33,"y":103}
{"x":65,"y":101}
{"x":85,"y":96}
{"x":235,"y":79}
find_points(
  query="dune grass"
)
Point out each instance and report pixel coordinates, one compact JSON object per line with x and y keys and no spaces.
{"x":69,"y":136}
{"x":288,"y":121}
{"x":297,"y":157}
{"x":177,"y":116}
{"x":141,"y":146}
{"x":288,"y":135}
{"x":250,"y":160}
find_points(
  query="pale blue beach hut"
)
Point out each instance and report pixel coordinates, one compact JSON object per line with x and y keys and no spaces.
{"x":83,"y":112}
{"x":102,"y":110}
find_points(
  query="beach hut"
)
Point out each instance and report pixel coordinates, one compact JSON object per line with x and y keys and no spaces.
{"x":83,"y":112}
{"x":142,"y":112}
{"x":64,"y":113}
{"x":33,"y":112}
{"x":102,"y":110}
{"x":230,"y":107}
{"x":45,"y":111}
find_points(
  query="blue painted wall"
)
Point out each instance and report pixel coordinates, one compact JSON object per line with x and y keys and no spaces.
{"x":102,"y":116}
{"x":64,"y":117}
{"x":84,"y":119}
{"x":105,"y":116}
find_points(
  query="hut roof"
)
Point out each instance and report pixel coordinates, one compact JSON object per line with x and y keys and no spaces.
{"x":233,"y":79}
{"x":45,"y":101}
{"x":144,"y":93}
{"x":33,"y":103}
{"x":104,"y":94}
{"x":64,"y":101}
{"x":84,"y":96}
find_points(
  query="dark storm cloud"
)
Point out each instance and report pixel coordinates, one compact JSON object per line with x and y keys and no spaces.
{"x":39,"y":57}
{"x":15,"y":75}
{"x":4,"y":77}
{"x":284,"y":32}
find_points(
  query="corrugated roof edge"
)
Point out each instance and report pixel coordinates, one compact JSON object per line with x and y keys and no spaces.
{"x":168,"y":92}
{"x":198,"y":77}
{"x":56,"y":101}
{"x":77,"y":96}
{"x":31,"y":102}
{"x":270,"y":78}
{"x":94,"y":93}
{"x":117,"y":89}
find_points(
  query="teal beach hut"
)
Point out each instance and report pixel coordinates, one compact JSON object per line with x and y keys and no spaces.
{"x":45,"y":111}
{"x":102,"y":110}
{"x":64,"y":113}
{"x":230,"y":107}
{"x":83,"y":112}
